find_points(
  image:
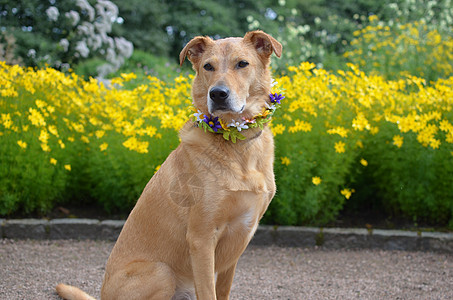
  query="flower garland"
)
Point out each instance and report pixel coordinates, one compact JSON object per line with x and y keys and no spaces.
{"x":233,"y":130}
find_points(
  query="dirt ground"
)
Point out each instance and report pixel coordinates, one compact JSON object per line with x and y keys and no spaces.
{"x":31,"y":269}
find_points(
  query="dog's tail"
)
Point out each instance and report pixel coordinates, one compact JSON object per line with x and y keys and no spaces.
{"x":72,"y":293}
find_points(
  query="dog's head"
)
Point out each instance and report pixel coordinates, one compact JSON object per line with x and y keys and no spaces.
{"x":232,"y":75}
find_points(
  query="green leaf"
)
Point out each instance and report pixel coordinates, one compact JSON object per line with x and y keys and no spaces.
{"x":226,"y":135}
{"x":240,"y":136}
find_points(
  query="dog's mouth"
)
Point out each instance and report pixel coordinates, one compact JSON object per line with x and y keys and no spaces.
{"x":219,"y":110}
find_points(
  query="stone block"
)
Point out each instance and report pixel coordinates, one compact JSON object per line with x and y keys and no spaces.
{"x":395,"y":240}
{"x":290,"y":236}
{"x":25,"y":229}
{"x":437,"y":241}
{"x":349,"y":238}
{"x":81,"y":229}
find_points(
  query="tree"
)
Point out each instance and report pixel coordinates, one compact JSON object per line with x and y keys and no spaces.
{"x":63,"y":33}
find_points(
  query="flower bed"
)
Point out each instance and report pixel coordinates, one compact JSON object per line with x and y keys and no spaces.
{"x":340,"y":137}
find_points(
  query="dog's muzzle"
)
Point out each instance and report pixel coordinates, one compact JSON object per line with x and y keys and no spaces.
{"x":222,"y":99}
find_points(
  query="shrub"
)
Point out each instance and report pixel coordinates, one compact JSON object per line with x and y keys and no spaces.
{"x":63,"y":136}
{"x":340,"y":135}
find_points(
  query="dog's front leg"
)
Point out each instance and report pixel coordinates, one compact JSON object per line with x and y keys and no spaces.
{"x":202,"y":248}
{"x":224,"y":282}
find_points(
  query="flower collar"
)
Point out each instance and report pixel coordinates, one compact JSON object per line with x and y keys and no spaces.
{"x":232,"y":131}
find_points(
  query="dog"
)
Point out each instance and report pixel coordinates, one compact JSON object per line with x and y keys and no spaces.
{"x":199,"y":211}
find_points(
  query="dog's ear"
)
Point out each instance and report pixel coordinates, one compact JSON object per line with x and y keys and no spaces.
{"x":263,"y":43}
{"x":194,"y":49}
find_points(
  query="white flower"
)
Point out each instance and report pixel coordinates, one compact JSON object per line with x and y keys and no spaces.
{"x":84,"y":5}
{"x":65,"y":44}
{"x":96,"y":42}
{"x":238,"y":125}
{"x":107,"y":9}
{"x":82,"y":49}
{"x":73,"y":16}
{"x":273,"y":82}
{"x":125,"y":48}
{"x":111,"y":55}
{"x":31,"y":53}
{"x":52,"y":13}
{"x":199,"y":115}
{"x":86,"y":28}
{"x":271,"y":107}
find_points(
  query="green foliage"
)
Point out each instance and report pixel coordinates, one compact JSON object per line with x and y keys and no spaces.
{"x":144,"y":63}
{"x":411,"y":181}
{"x":144,"y":23}
{"x":311,"y":154}
{"x":394,"y":47}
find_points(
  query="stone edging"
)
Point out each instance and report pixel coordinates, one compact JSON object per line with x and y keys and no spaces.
{"x":287,"y":236}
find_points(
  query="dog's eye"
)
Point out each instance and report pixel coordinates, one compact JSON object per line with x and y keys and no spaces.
{"x":242,"y":64}
{"x":208,"y":67}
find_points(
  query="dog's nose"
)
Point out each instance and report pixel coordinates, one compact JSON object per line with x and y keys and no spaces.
{"x":219,"y":94}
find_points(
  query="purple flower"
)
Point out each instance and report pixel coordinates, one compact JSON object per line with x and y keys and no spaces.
{"x":212,"y":122}
{"x":276,"y":98}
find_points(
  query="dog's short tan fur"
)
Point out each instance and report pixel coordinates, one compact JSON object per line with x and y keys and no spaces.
{"x":173,"y":242}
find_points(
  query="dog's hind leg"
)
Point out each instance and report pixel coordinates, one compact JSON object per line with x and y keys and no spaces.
{"x":140,"y":280}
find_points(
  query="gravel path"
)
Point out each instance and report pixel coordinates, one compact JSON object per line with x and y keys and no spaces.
{"x":31,"y":269}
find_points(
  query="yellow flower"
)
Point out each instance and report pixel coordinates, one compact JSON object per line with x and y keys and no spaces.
{"x":22,"y":144}
{"x":285,"y":160}
{"x":53,"y":129}
{"x":135,"y":145}
{"x":278,"y":129}
{"x":99,"y":133}
{"x":363,"y":162}
{"x":373,"y":18}
{"x":398,"y":141}
{"x":43,"y":136}
{"x":85,"y":139}
{"x":347,"y":193}
{"x":434,"y":143}
{"x":6,"y":119}
{"x":36,"y":118}
{"x":128,"y":76}
{"x":53,"y":161}
{"x":67,"y":167}
{"x":360,"y":122}
{"x":156,"y":169}
{"x":341,"y":131}
{"x":300,"y":125}
{"x":340,"y":147}
{"x":316,"y":180}
{"x":45,"y":147}
{"x":40,"y":104}
{"x":103,"y":146}
{"x":307,"y":66}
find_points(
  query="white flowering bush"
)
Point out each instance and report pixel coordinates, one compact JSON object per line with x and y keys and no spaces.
{"x":66,"y":33}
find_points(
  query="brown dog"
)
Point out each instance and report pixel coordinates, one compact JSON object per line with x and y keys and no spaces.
{"x":198,"y":213}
